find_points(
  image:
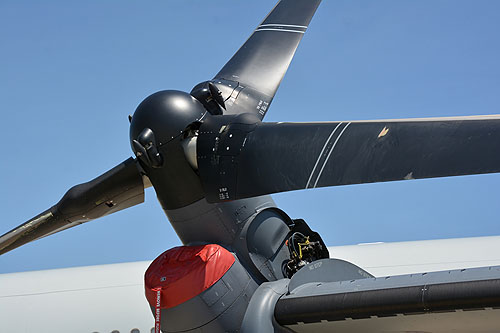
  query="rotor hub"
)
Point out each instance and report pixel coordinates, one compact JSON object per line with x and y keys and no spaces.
{"x":156,"y":133}
{"x":166,"y":113}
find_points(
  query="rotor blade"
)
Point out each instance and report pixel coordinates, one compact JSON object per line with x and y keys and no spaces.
{"x":238,"y":160}
{"x":117,"y":189}
{"x":262,"y":61}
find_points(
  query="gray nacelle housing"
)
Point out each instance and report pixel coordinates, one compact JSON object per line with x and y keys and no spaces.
{"x":220,"y":308}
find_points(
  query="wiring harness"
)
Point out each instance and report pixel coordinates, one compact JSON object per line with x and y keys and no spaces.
{"x":302,"y":251}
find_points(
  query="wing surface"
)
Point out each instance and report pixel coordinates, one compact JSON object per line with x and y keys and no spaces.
{"x":466,"y":300}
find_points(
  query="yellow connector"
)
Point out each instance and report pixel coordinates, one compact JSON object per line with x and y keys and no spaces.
{"x":303,"y":244}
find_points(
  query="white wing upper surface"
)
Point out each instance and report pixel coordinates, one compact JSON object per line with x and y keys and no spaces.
{"x":382,"y":259}
{"x":111,"y":297}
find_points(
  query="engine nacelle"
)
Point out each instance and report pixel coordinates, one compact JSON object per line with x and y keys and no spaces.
{"x":195,"y":288}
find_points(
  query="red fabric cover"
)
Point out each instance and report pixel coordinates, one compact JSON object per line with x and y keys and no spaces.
{"x":184,"y":272}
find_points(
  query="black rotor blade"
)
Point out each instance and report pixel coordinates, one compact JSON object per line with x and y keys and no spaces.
{"x":262,"y":61}
{"x":117,"y":189}
{"x":239,"y":159}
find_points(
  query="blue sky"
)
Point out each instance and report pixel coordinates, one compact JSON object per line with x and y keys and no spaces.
{"x":71,"y":73}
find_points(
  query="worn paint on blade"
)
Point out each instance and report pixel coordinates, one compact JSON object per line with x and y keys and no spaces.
{"x":409,"y":176}
{"x":383,"y":132}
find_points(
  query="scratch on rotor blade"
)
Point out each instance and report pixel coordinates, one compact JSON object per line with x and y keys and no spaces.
{"x":383,"y":132}
{"x":409,"y":176}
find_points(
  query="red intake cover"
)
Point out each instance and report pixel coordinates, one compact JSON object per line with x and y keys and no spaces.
{"x":184,"y":272}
